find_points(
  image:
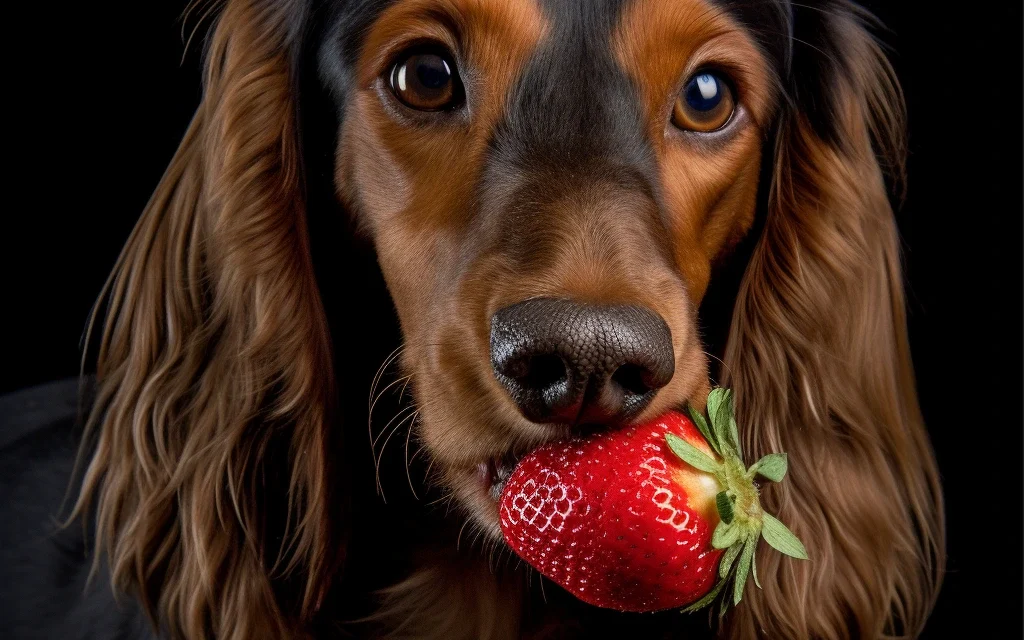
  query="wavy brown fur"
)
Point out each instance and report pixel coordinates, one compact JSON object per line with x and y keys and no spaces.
{"x":214,"y":369}
{"x":820,"y":364}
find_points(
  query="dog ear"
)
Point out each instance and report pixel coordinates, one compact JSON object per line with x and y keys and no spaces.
{"x":209,"y":449}
{"x":819,"y":360}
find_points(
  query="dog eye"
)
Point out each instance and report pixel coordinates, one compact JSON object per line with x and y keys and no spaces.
{"x":426,"y":81}
{"x":705,"y":104}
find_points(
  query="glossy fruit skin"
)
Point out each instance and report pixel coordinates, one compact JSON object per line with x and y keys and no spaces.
{"x":617,"y":519}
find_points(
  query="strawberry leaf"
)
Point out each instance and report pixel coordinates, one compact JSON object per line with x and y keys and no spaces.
{"x":723,"y":608}
{"x":734,"y":432}
{"x":705,"y":431}
{"x":715,"y":399}
{"x":721,"y":419}
{"x":779,"y":536}
{"x":724,"y":504}
{"x":707,"y":599}
{"x":773,"y":466}
{"x":743,"y":569}
{"x":691,"y":455}
{"x":725,"y":535}
{"x":728,"y":558}
{"x":753,"y":569}
{"x":730,"y":423}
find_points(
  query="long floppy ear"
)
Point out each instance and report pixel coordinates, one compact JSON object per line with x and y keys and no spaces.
{"x":819,"y":359}
{"x":209,"y":439}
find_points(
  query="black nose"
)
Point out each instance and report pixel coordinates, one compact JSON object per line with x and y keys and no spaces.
{"x":563,"y":361}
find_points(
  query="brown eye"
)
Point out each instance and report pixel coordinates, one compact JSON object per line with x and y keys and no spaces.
{"x":705,"y":104}
{"x":426,"y":81}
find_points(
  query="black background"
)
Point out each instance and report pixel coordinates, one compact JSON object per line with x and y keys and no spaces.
{"x":102,"y":93}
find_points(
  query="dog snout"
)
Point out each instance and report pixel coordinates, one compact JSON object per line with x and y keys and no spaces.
{"x":562,"y":361}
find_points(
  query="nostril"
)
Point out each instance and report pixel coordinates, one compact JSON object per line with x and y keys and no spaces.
{"x":632,"y":378}
{"x":543,"y":371}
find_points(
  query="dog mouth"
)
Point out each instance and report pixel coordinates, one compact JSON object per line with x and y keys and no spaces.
{"x":494,"y":473}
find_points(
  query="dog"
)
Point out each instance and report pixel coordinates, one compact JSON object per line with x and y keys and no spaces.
{"x":574,"y":208}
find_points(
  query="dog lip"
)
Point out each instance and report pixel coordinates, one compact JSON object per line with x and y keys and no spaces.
{"x":485,"y":472}
{"x":494,"y":473}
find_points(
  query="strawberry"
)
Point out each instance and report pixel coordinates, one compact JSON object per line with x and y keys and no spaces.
{"x":648,"y":517}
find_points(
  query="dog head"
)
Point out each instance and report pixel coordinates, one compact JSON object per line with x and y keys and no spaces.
{"x":550,"y":188}
{"x":547,"y":189}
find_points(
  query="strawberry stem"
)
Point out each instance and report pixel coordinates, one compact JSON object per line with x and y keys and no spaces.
{"x":743,"y":521}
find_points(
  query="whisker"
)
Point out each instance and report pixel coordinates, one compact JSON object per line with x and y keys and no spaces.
{"x":509,"y":557}
{"x":380,"y":371}
{"x":447,"y":496}
{"x":369,"y":419}
{"x":420,"y":449}
{"x":474,"y":535}
{"x":495,"y":555}
{"x":714,"y":357}
{"x":401,"y":394}
{"x":430,"y":465}
{"x":372,"y":404}
{"x":410,"y":413}
{"x":408,"y":472}
{"x":378,"y":377}
{"x":458,"y":538}
{"x":401,"y":414}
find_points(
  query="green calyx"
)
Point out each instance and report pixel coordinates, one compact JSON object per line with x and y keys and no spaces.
{"x":743,"y":521}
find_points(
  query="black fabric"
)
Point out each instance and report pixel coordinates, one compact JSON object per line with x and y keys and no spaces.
{"x":43,"y":566}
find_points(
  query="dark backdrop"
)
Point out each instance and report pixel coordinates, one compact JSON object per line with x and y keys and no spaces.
{"x":102,"y":93}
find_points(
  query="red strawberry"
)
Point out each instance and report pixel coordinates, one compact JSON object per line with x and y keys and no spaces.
{"x":647,"y":517}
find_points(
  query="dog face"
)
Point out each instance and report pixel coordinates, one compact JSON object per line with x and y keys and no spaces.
{"x":494,"y":160}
